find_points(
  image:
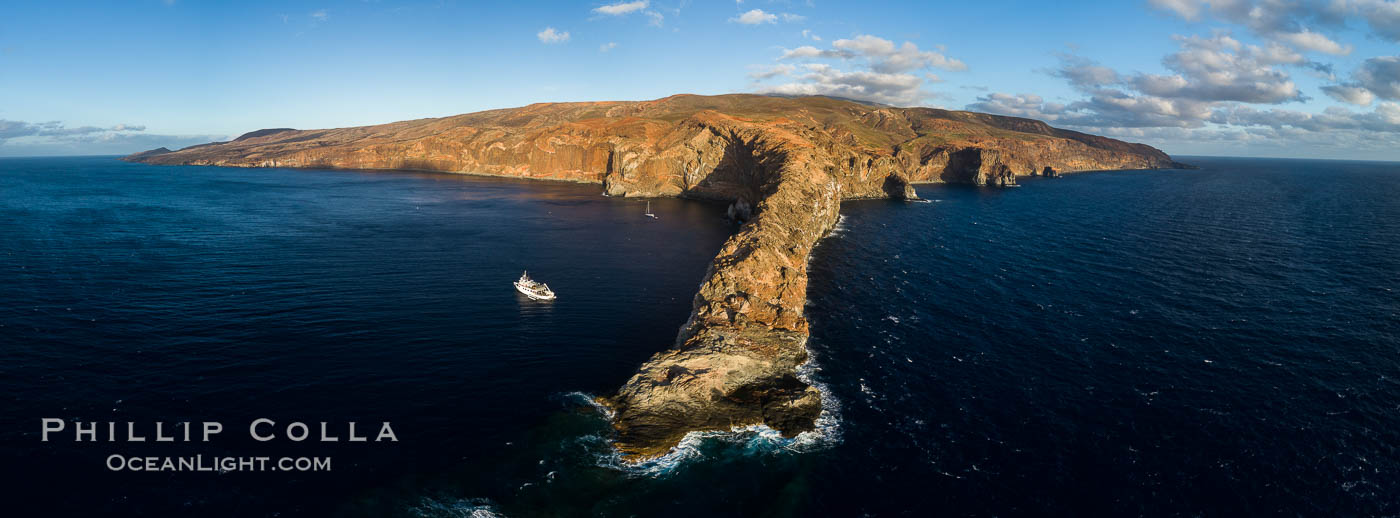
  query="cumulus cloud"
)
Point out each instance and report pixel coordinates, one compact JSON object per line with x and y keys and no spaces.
{"x":1349,"y":94}
{"x":1204,"y":74}
{"x":1295,"y":21}
{"x":1019,"y":105}
{"x":1084,"y":74}
{"x":19,"y":138}
{"x":549,"y":35}
{"x":809,"y":35}
{"x":1384,"y":118}
{"x":762,"y":73}
{"x":1146,"y":117}
{"x":870,"y":68}
{"x":1378,"y":77}
{"x":822,"y":79}
{"x":808,"y":51}
{"x":1308,"y":40}
{"x":1381,"y":76}
{"x":884,"y":56}
{"x":618,"y":9}
{"x":755,"y":17}
{"x":881,"y":54}
{"x":14,"y":129}
{"x":607,"y":46}
{"x":1219,"y":92}
{"x":1210,"y":82}
{"x":621,"y":8}
{"x":1382,"y":16}
{"x":1221,"y":68}
{"x":1188,"y":9}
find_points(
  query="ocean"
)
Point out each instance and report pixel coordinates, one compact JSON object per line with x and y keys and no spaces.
{"x":1213,"y":342}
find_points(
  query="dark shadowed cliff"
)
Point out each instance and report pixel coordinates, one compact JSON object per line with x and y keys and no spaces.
{"x":785,"y":163}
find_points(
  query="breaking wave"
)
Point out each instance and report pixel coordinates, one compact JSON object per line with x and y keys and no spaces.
{"x":755,"y":439}
{"x":430,"y":507}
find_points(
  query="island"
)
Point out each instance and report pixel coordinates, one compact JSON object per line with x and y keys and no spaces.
{"x":784,"y":164}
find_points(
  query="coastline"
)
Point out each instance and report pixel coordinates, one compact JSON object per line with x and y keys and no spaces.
{"x":785,"y":165}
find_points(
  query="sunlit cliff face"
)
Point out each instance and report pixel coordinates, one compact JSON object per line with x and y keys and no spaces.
{"x":787,"y":163}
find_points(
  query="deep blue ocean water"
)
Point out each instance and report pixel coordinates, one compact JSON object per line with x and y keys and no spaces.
{"x":1213,"y":342}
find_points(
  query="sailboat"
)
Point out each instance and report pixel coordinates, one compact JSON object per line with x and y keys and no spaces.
{"x":649,"y":214}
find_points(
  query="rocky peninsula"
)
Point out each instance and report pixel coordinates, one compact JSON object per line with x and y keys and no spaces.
{"x":784,"y":165}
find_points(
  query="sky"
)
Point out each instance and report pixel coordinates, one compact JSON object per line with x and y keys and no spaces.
{"x":1282,"y":78}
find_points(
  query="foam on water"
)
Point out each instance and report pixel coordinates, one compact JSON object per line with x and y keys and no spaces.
{"x":429,"y":507}
{"x":592,"y":401}
{"x":839,"y":228}
{"x":757,"y":439}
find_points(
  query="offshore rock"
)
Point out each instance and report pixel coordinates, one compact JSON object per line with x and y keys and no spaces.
{"x":785,"y":164}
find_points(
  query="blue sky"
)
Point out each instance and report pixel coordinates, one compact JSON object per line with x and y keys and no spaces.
{"x":1237,"y":77}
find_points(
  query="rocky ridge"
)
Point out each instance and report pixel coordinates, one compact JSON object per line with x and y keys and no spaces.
{"x":785,"y":164}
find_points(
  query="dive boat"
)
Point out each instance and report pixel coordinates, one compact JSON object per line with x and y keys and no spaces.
{"x":531,"y":288}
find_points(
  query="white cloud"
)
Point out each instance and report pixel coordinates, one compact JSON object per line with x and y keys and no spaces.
{"x":1349,"y":94}
{"x":654,"y":18}
{"x":882,"y":54}
{"x":1221,"y":68}
{"x":875,"y":69}
{"x":1383,"y":16}
{"x":808,"y":51}
{"x":1294,"y":21}
{"x":1213,"y":86}
{"x":755,"y":17}
{"x":1308,"y":40}
{"x":549,"y":35}
{"x":1206,"y":75}
{"x":15,"y":129}
{"x":762,"y":73}
{"x":621,"y":8}
{"x":1188,"y":9}
{"x":822,"y":79}
{"x":607,"y":46}
{"x":1378,"y":77}
{"x":1019,"y":105}
{"x":320,"y":15}
{"x":1381,"y":75}
{"x":886,"y":57}
{"x":809,"y":35}
{"x":1384,"y":118}
{"x":18,"y":138}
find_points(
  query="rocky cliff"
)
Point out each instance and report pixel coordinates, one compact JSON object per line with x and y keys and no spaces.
{"x":784,"y":163}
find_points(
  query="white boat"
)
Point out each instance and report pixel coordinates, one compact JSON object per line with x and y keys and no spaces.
{"x":531,"y":288}
{"x":649,"y":213}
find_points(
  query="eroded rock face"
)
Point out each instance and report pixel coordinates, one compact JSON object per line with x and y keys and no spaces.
{"x":785,"y":164}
